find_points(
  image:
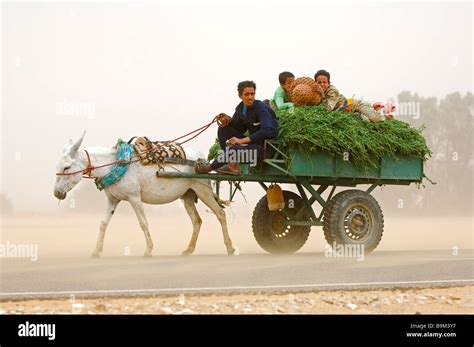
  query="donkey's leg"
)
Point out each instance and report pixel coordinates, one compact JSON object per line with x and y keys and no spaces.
{"x":205,"y":194}
{"x":190,"y":206}
{"x":111,"y":206}
{"x":138,"y":208}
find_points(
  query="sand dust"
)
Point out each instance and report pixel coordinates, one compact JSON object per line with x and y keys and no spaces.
{"x":75,"y":235}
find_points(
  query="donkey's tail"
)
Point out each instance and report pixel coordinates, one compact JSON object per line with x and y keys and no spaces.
{"x":192,"y":195}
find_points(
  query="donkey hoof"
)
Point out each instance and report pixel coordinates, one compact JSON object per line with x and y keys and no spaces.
{"x":233,"y":251}
{"x":187,"y":252}
{"x":147,"y":254}
{"x":95,"y":255}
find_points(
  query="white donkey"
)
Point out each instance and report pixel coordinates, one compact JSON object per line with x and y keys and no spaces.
{"x":139,"y":185}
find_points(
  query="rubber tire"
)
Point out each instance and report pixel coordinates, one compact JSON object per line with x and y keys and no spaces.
{"x":265,"y":235}
{"x":334,"y":214}
{"x":328,"y":233}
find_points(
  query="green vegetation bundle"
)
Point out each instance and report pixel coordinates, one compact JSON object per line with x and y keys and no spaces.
{"x":313,"y":128}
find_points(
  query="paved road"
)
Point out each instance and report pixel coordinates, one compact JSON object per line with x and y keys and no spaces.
{"x":123,"y":276}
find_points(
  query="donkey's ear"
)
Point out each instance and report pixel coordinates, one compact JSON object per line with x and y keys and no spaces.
{"x":68,"y":146}
{"x":75,"y":147}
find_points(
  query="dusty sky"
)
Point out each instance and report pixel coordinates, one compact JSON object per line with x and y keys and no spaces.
{"x":125,"y":69}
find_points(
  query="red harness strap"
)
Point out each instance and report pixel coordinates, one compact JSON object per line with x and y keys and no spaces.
{"x":88,"y":170}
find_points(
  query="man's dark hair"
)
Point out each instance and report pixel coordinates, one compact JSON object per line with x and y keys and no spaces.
{"x":323,"y":73}
{"x":284,"y":76}
{"x":245,"y":84}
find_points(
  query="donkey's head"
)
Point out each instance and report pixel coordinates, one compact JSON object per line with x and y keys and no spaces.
{"x":69,"y":163}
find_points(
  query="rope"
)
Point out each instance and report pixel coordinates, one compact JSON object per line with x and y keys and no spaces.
{"x":88,"y":170}
{"x":221,"y":119}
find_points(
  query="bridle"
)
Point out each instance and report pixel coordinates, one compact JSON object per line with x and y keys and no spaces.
{"x":87,"y":172}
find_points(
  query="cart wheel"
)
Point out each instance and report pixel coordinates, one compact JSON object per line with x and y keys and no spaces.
{"x":353,"y":217}
{"x":269,"y":231}
{"x":328,"y":233}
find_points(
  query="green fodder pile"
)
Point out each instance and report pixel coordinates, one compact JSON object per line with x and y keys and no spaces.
{"x":312,"y":128}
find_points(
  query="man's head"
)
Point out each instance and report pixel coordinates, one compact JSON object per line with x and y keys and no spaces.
{"x":286,"y":79}
{"x":246,"y":91}
{"x":323,"y":78}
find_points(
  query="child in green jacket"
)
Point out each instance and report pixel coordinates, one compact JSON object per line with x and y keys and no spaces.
{"x":280,"y":98}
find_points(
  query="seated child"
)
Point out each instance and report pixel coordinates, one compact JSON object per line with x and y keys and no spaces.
{"x":333,"y":100}
{"x":280,"y":98}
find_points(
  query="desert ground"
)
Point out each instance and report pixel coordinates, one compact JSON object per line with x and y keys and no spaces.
{"x":453,"y":300}
{"x":65,"y":237}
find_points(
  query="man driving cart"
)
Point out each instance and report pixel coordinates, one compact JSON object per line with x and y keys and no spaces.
{"x":252,"y":116}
